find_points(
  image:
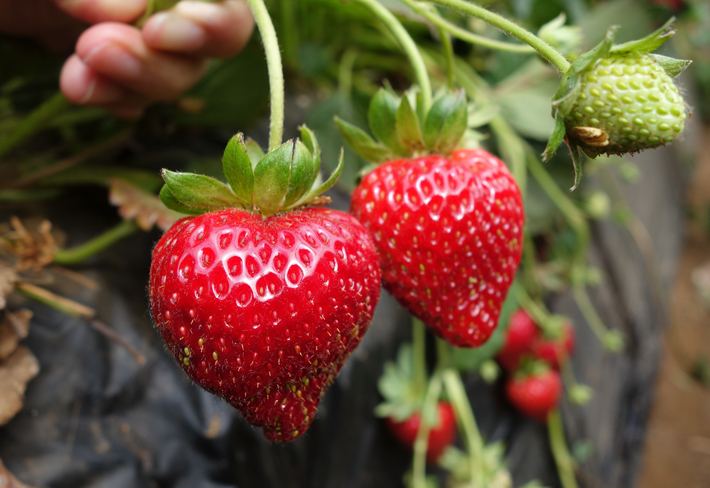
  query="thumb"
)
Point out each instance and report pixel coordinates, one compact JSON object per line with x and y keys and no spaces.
{"x":95,"y":11}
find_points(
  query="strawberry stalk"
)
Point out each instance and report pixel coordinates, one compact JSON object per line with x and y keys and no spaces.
{"x":430,"y":14}
{"x":275,"y":70}
{"x":33,"y":122}
{"x":560,"y":452}
{"x":422,"y":441}
{"x":82,"y":252}
{"x":467,"y":422}
{"x":408,"y":46}
{"x":544,"y":49}
{"x":419,"y":355}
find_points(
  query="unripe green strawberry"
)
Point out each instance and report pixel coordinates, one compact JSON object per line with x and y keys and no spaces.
{"x":626,"y":103}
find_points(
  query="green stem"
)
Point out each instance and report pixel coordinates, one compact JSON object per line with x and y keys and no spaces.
{"x":419,"y":354}
{"x":544,"y":49}
{"x":408,"y":46}
{"x":603,"y":333}
{"x":463,"y":34}
{"x":275,"y":69}
{"x":81,"y":253}
{"x":448,"y":49}
{"x":563,"y":460}
{"x":33,"y":123}
{"x":467,"y":422}
{"x":429,"y":410}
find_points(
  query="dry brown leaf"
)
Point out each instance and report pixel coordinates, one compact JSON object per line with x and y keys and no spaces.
{"x":15,"y":372}
{"x":144,"y":208}
{"x":8,"y":278}
{"x":14,"y":327}
{"x":32,"y":245}
{"x":7,"y":480}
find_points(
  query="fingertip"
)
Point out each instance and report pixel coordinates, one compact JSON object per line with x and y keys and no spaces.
{"x":75,"y":79}
{"x":170,"y":31}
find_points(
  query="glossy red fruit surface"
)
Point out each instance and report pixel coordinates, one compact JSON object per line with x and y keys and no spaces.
{"x":519,"y":339}
{"x":555,"y":351}
{"x":535,"y":395}
{"x":440,"y":436}
{"x":449,"y":234}
{"x":264,"y":311}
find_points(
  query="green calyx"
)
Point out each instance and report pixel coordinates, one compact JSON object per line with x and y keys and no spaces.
{"x":618,"y":99}
{"x":402,"y":127}
{"x":283,"y":179}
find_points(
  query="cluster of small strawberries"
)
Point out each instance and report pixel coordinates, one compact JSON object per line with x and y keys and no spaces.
{"x":532,"y":359}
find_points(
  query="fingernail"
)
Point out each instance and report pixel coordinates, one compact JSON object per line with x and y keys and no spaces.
{"x":200,"y":11}
{"x":176,"y":32}
{"x":110,"y":58}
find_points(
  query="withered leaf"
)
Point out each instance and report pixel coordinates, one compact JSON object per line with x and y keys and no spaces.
{"x":7,"y":480}
{"x":13,"y":328}
{"x":8,"y":277}
{"x":15,"y":372}
{"x":144,"y":208}
{"x":31,"y":245}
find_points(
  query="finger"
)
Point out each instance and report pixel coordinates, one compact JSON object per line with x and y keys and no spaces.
{"x":83,"y":86}
{"x":118,"y":53}
{"x":200,"y":28}
{"x":95,"y":11}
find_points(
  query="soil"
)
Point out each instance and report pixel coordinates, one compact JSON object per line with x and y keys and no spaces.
{"x":678,"y":439}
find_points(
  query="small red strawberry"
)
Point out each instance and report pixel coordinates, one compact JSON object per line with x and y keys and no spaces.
{"x":535,"y":390}
{"x":448,"y":228}
{"x":555,"y":350}
{"x":519,"y":338}
{"x":441,"y":435}
{"x":263,"y":306}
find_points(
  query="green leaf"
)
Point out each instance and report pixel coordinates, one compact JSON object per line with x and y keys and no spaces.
{"x":672,"y":66}
{"x":303,"y":173}
{"x":199,"y":192}
{"x":254,"y":151}
{"x":309,"y":139}
{"x":649,"y":43}
{"x":382,"y":117}
{"x":237,"y":168}
{"x":271,"y":178}
{"x":171,"y":202}
{"x":446,"y":122}
{"x":557,"y":137}
{"x":332,"y":179}
{"x":362,"y":143}
{"x":409,"y":131}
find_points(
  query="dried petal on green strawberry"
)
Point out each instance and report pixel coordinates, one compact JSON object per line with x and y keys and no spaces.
{"x":618,"y":99}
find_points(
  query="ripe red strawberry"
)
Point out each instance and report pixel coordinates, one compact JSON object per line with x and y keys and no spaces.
{"x":536,"y":393}
{"x":519,"y":338}
{"x":449,"y":234}
{"x":441,"y":435}
{"x":263,"y":307}
{"x":448,"y":226}
{"x":554,"y":350}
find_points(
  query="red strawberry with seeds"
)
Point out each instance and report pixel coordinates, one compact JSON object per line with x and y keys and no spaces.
{"x":259,"y":305}
{"x":519,"y":339}
{"x":535,"y":390}
{"x":448,"y":228}
{"x":441,"y":434}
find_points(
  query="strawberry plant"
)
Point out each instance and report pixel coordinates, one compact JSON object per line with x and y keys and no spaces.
{"x":261,"y":291}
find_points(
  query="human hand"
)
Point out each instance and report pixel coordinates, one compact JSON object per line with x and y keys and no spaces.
{"x":123,"y":68}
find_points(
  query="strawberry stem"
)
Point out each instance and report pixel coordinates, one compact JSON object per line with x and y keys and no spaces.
{"x":558,"y":445}
{"x":82,"y":252}
{"x":456,"y":393}
{"x":408,"y":46}
{"x":275,"y":69}
{"x":544,"y":49}
{"x":33,"y":122}
{"x":429,"y":13}
{"x":419,"y":356}
{"x":429,"y":411}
